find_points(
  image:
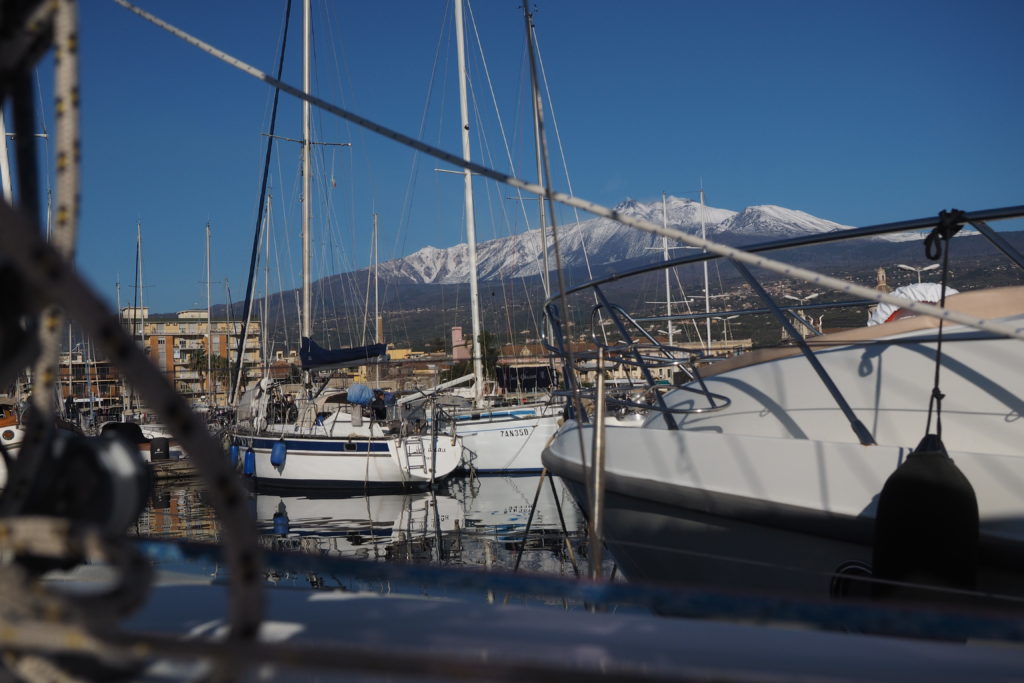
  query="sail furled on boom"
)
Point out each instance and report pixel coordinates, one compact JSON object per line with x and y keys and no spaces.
{"x":314,"y":357}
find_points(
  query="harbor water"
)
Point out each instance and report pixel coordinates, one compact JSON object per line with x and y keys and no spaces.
{"x":526,"y":524}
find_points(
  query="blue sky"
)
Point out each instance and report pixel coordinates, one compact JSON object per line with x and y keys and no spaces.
{"x":857,"y":112}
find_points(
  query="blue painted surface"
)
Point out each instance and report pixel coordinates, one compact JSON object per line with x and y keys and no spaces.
{"x":502,"y":414}
{"x":278,"y":454}
{"x":312,"y":486}
{"x":335,"y":446}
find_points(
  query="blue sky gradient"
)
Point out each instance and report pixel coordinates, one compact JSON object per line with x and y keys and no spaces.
{"x":859,"y":113}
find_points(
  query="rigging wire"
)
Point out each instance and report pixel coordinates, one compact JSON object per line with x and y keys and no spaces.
{"x":739,"y":255}
{"x":509,"y":158}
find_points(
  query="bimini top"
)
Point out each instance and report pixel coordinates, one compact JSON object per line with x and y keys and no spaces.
{"x":314,"y":357}
{"x":986,"y":304}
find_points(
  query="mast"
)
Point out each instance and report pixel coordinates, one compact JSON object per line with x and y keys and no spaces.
{"x":306,"y":29}
{"x":378,"y":331}
{"x":668,"y":283}
{"x":535,"y":98}
{"x":707,"y":293}
{"x":138,"y":322}
{"x":89,"y":368}
{"x":474,"y":294}
{"x":120,"y":321}
{"x":209,"y":323}
{"x":142,"y":303}
{"x":71,"y":374}
{"x":266,"y":292}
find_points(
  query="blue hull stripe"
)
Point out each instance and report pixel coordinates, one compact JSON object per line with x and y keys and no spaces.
{"x":339,"y":446}
{"x":510,"y":470}
{"x":505,"y":415}
{"x":262,"y":485}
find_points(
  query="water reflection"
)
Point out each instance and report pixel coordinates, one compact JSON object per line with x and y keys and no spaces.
{"x":473,"y":522}
{"x":366,"y":527}
{"x":495,"y":514}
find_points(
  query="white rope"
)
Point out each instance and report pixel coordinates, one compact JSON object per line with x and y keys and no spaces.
{"x":54,"y":279}
{"x":739,"y":255}
{"x":65,"y":42}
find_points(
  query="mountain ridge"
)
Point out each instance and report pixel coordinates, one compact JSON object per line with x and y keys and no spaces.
{"x":603,"y":240}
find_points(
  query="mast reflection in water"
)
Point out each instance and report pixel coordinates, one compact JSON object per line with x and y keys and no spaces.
{"x":471,"y":522}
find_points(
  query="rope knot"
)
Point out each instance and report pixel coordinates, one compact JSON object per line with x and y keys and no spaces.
{"x":937,"y":395}
{"x":950,"y":223}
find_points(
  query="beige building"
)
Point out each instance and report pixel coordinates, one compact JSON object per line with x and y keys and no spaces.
{"x":178,"y":346}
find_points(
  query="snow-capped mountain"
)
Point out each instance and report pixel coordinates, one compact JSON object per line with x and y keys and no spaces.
{"x":774,"y":222}
{"x":603,"y":241}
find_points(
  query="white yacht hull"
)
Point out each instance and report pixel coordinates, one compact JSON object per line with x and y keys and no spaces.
{"x":774,"y":491}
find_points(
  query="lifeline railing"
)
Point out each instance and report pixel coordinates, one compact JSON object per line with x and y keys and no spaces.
{"x":688,"y":360}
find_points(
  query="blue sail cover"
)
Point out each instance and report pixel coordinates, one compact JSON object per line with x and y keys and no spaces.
{"x":525,"y":378}
{"x":314,"y":357}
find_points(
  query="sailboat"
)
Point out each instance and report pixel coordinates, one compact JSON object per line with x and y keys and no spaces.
{"x":506,"y":440}
{"x":331,"y":449}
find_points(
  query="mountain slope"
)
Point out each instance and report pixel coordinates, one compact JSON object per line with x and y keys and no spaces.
{"x":603,"y":241}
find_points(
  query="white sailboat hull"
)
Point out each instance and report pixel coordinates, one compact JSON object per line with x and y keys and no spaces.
{"x":509,"y":441}
{"x":312,"y":463}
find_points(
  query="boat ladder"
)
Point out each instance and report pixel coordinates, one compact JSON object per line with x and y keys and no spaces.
{"x":415,"y":454}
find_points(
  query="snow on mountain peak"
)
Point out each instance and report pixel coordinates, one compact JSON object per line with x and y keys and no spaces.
{"x":603,"y":240}
{"x":772,"y":221}
{"x":627,"y":205}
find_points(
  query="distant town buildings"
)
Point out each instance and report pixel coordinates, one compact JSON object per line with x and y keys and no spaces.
{"x":195,"y":355}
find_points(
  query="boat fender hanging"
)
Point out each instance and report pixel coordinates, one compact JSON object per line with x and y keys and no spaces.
{"x":249,"y":466}
{"x":278,"y":453}
{"x":926,"y":527}
{"x":233,"y":456}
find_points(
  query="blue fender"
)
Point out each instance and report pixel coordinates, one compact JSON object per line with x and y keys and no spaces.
{"x":233,"y":455}
{"x":249,"y":467}
{"x":278,"y":453}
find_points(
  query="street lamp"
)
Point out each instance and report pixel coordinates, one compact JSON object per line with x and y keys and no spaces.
{"x":801,"y":299}
{"x":917,"y":270}
{"x":800,"y":313}
{"x":725,"y":325}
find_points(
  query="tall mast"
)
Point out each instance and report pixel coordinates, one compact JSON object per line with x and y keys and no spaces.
{"x":120,"y":321}
{"x":138,"y":287}
{"x":209,"y":325}
{"x":378,"y":329}
{"x":474,"y":294}
{"x":668,"y":282}
{"x":306,"y":21}
{"x":266,"y":290}
{"x":378,"y":332}
{"x":535,"y":98}
{"x":707,"y":293}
